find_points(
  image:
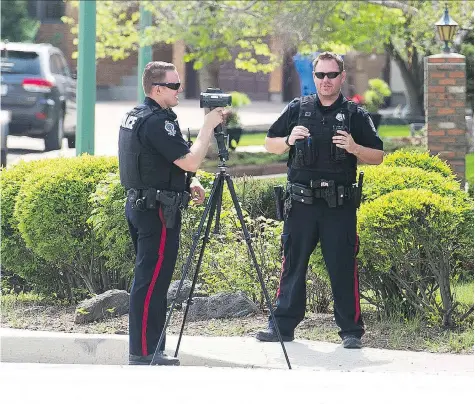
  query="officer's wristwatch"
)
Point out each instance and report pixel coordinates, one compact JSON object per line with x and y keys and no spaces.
{"x":287,"y":140}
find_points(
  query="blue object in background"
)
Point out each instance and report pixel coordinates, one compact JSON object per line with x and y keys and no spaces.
{"x":303,"y":65}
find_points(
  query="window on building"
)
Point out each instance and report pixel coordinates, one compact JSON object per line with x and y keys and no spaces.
{"x":46,"y":10}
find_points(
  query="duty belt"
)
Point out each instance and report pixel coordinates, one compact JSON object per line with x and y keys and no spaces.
{"x":152,"y":195}
{"x":321,"y":189}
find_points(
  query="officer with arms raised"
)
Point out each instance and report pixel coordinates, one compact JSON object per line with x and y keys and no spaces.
{"x":325,"y":135}
{"x":154,"y":159}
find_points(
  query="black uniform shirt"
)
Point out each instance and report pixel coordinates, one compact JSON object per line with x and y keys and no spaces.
{"x":161,"y":132}
{"x":362,"y":128}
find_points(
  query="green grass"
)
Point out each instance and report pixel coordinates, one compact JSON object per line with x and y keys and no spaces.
{"x":394,"y":131}
{"x":247,"y":158}
{"x":385,"y":131}
{"x":255,"y":139}
{"x":469,"y":167}
{"x":464,"y":293}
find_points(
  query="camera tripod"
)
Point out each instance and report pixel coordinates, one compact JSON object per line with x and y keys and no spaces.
{"x":214,"y":206}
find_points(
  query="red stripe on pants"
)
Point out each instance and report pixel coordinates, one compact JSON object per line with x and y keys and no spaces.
{"x":156,"y":272}
{"x":356,"y":291}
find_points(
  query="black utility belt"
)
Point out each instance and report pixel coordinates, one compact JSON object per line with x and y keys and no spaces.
{"x":148,"y":198}
{"x":332,"y":193}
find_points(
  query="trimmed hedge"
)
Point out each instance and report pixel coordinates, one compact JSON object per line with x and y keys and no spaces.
{"x":52,"y":209}
{"x":63,"y":229}
{"x":413,"y":244}
{"x":423,"y":160}
{"x":380,"y":180}
{"x":17,"y":258}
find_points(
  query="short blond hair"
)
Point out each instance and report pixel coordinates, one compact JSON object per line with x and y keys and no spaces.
{"x":329,"y":56}
{"x":155,"y":72}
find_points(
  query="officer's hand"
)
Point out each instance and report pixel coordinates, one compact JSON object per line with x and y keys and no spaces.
{"x":214,"y":118}
{"x":197,"y":192}
{"x":298,"y":133}
{"x":345,"y":141}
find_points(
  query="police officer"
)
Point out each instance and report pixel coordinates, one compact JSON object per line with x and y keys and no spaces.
{"x":153,"y":161}
{"x":325,"y":135}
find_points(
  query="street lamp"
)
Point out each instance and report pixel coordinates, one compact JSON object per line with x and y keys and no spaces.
{"x":446,"y":28}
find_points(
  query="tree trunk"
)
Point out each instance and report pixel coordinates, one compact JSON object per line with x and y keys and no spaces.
{"x":209,"y":76}
{"x":414,"y":95}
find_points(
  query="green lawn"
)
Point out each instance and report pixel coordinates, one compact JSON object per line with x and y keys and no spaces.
{"x":469,"y":167}
{"x":385,"y":131}
{"x":255,"y":139}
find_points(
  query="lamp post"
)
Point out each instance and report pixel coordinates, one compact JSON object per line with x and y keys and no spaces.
{"x":446,"y":28}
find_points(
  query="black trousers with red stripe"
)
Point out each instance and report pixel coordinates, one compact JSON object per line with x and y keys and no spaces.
{"x":335,"y":229}
{"x":156,"y":250}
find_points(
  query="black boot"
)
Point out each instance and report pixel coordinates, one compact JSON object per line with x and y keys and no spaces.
{"x":162,"y":359}
{"x":270,"y":335}
{"x":351,"y":342}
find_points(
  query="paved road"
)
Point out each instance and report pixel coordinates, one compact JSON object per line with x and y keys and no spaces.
{"x":108,"y":118}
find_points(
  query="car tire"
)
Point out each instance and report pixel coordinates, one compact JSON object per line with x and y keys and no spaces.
{"x":54,"y":138}
{"x":72,"y":142}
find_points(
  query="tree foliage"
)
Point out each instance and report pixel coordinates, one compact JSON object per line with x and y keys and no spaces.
{"x":17,"y":26}
{"x":220,"y":31}
{"x":405,"y":30}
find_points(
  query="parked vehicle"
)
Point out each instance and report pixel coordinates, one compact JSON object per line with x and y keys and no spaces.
{"x":39,"y":91}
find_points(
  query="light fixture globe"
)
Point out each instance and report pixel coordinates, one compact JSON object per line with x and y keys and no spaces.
{"x":446,"y":28}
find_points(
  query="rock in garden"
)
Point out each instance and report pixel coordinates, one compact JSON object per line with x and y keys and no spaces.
{"x":221,"y":305}
{"x":184,"y":292}
{"x":106,"y":305}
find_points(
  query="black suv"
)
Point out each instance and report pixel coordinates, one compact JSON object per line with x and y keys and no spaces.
{"x":39,"y":91}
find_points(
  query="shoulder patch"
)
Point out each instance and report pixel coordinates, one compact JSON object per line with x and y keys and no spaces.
{"x":170,"y":128}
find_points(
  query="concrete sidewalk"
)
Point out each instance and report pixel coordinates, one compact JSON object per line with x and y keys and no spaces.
{"x":59,"y":384}
{"x":245,"y":352}
{"x":45,"y":367}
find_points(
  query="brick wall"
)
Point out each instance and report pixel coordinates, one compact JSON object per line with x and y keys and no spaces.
{"x":444,"y":99}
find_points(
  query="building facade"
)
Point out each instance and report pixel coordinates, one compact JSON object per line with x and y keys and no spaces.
{"x":117,"y":80}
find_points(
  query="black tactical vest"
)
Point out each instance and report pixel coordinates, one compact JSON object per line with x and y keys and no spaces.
{"x":322,"y":128}
{"x":139,"y":166}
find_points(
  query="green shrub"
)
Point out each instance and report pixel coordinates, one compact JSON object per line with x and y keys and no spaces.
{"x":108,"y":222}
{"x":380,"y":180}
{"x":414,"y":243}
{"x":17,"y":258}
{"x":257,"y":195}
{"x":423,"y":160}
{"x":52,"y":209}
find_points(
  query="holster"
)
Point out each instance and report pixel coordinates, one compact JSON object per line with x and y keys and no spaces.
{"x":279,"y":202}
{"x":170,"y":201}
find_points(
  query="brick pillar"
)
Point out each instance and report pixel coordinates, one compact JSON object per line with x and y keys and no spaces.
{"x":444,"y":102}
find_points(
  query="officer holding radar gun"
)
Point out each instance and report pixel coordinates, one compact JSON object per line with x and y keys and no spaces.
{"x":154,"y":159}
{"x":325,"y":135}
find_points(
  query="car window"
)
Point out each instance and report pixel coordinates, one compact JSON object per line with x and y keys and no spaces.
{"x":18,"y":62}
{"x":55,"y":64}
{"x":64,"y":66}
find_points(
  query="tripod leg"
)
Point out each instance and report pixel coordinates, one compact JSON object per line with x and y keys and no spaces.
{"x":187,"y":265}
{"x":215,"y":201}
{"x":218,"y":208}
{"x":254,"y":260}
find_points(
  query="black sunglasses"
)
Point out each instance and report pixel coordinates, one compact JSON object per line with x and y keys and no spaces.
{"x":171,"y":86}
{"x":330,"y":75}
